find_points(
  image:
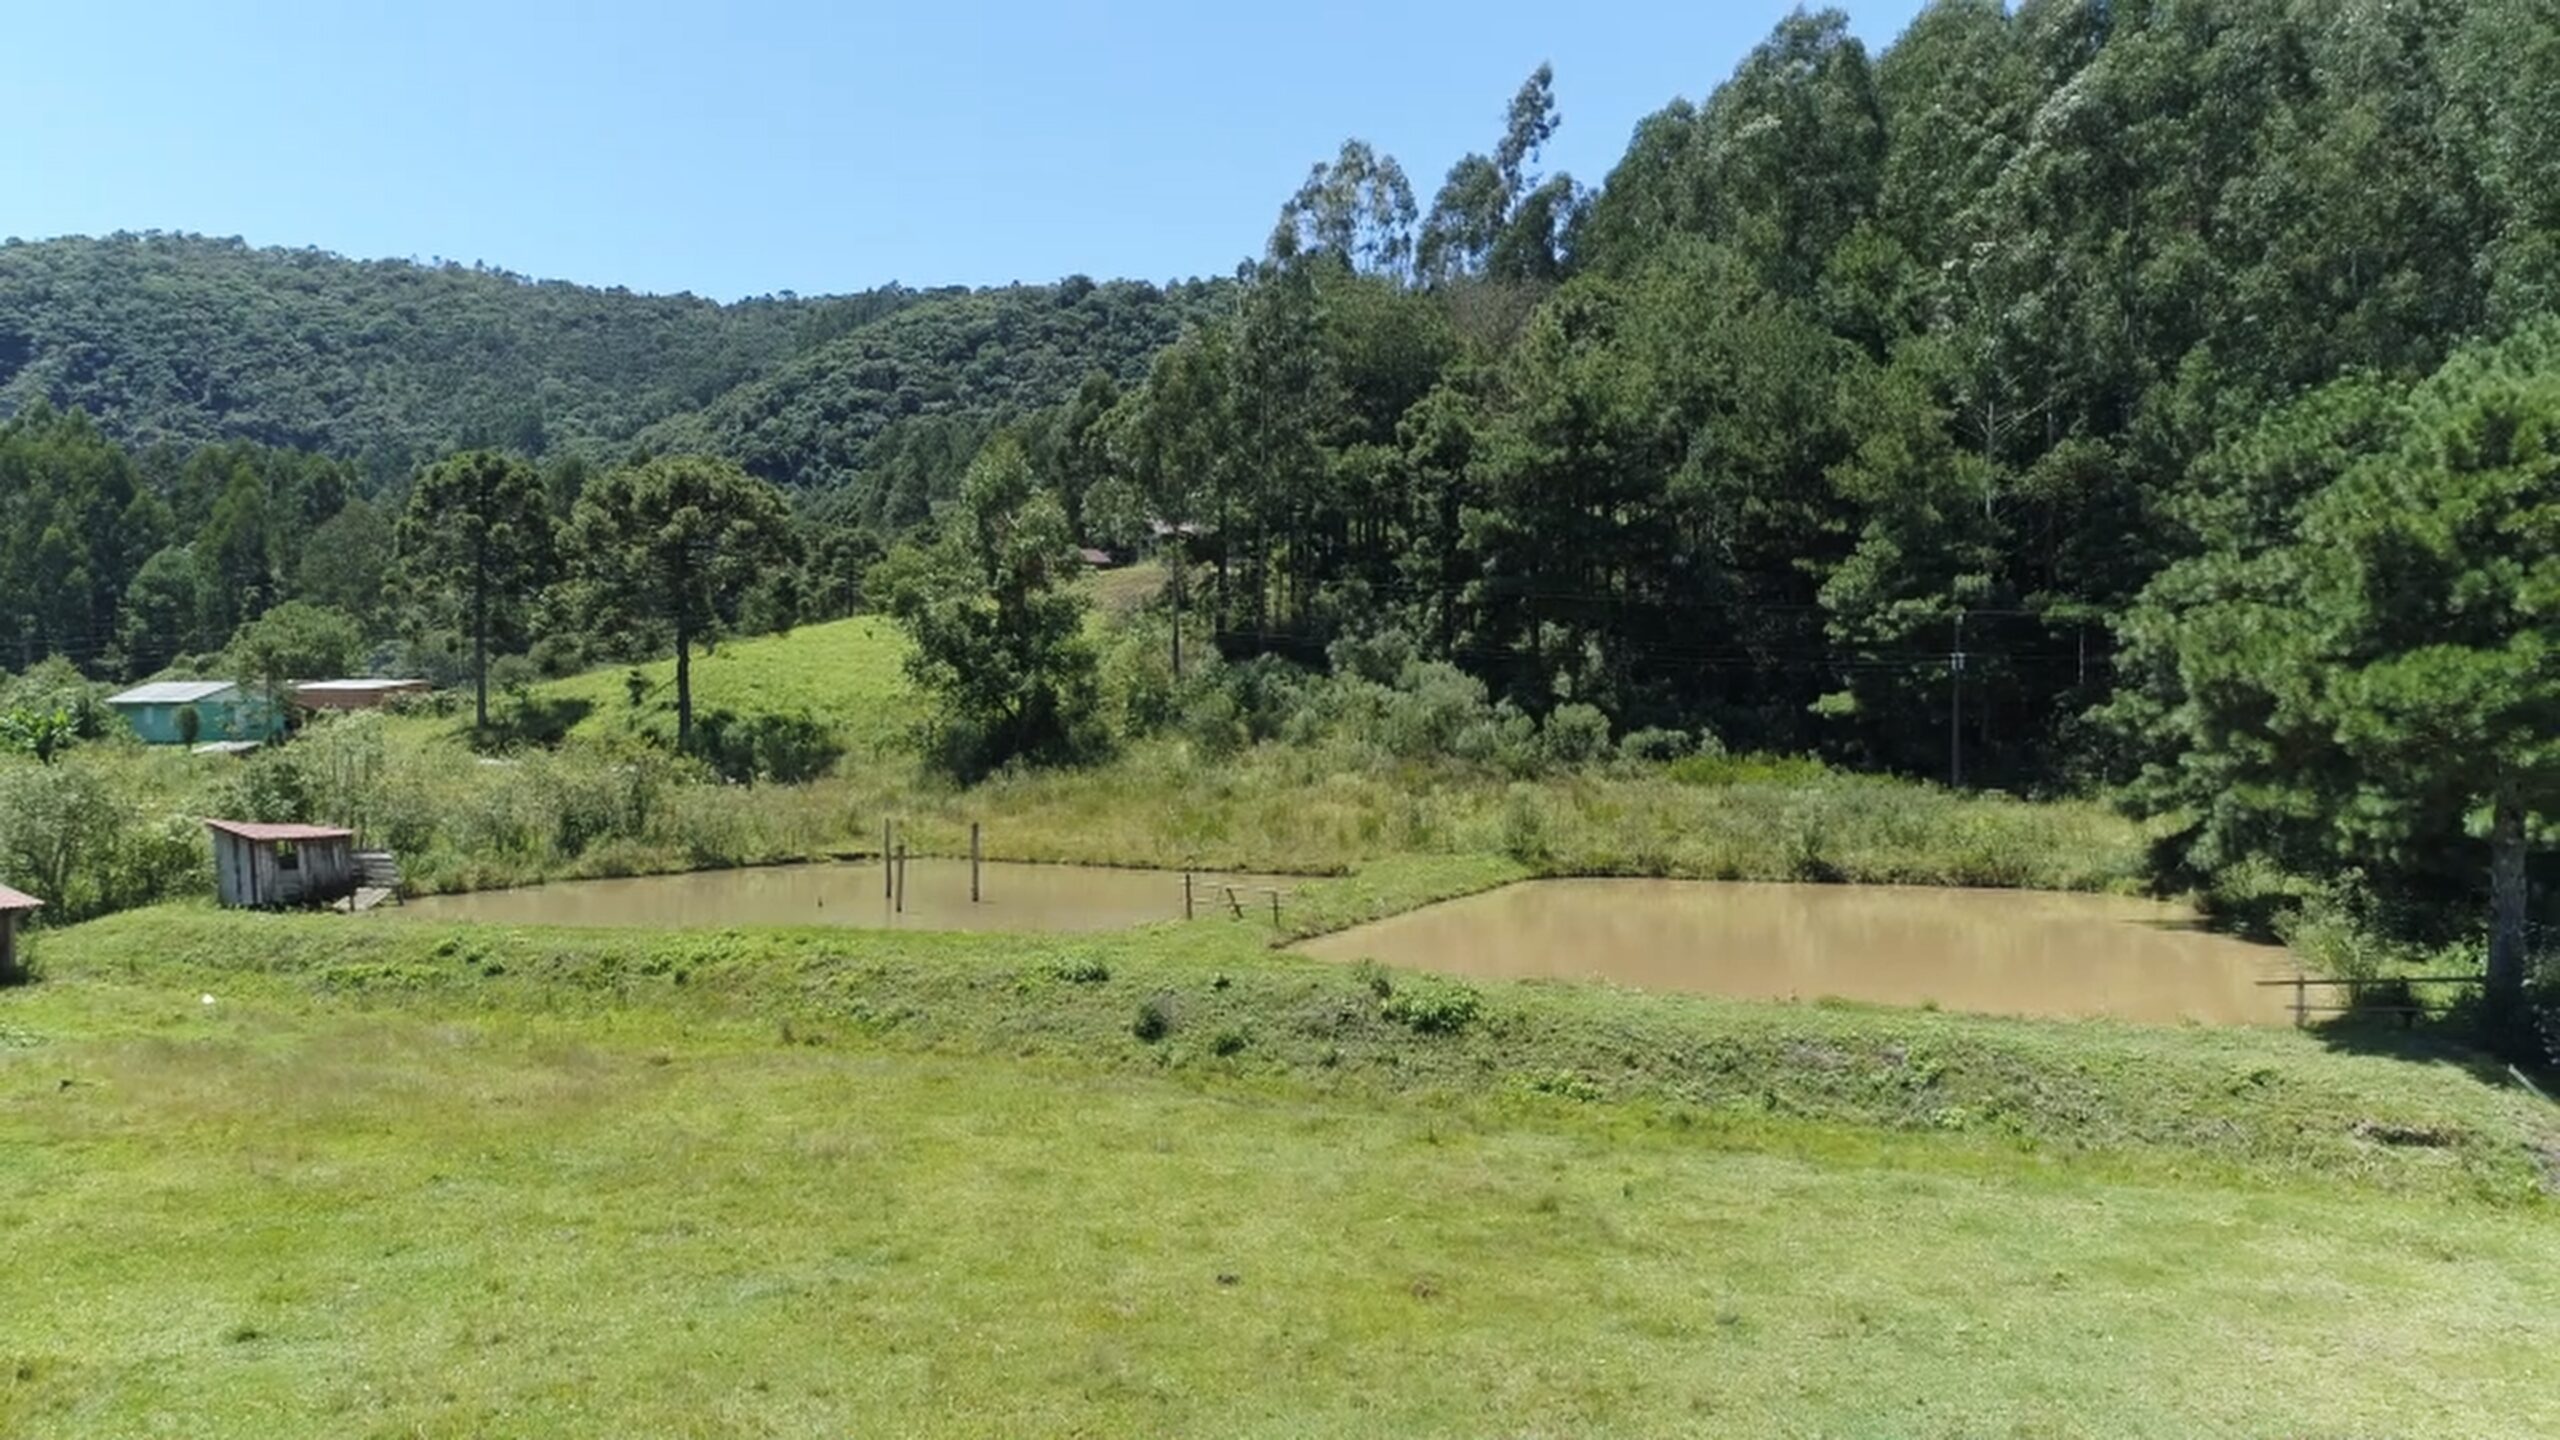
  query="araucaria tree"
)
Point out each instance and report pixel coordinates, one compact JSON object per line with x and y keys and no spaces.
{"x":476,"y":543}
{"x":999,"y":639}
{"x":672,"y":546}
{"x":2384,"y":680}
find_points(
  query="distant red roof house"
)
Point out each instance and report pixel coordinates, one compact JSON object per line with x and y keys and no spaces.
{"x":354,"y":694}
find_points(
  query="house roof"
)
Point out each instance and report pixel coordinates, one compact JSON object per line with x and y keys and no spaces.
{"x":357,"y":687}
{"x":268,"y":834}
{"x":173,"y":692}
{"x":14,"y":900}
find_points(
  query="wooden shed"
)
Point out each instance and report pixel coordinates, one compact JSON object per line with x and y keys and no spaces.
{"x":270,"y":867}
{"x":14,"y":910}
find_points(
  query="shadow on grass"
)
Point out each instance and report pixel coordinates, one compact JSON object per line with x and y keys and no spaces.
{"x":2456,"y":1034}
{"x":542,"y":722}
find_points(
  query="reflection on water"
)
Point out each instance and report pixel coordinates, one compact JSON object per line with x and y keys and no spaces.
{"x":1014,"y":897}
{"x":1990,"y":951}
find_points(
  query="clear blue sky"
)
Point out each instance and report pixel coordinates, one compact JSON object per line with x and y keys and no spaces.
{"x":739,"y":148}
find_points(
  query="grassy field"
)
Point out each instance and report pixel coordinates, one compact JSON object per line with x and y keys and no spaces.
{"x":608,"y":799}
{"x":407,"y":1179}
{"x":846,"y":674}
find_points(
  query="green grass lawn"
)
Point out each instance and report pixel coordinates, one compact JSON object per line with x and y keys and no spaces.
{"x":846,"y":674}
{"x":413,"y":1179}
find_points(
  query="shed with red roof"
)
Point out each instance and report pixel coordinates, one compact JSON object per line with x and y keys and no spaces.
{"x":14,"y":910}
{"x":272,"y":867}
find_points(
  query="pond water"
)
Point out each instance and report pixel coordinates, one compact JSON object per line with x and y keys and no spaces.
{"x":1988,"y":951}
{"x":1013,"y":897}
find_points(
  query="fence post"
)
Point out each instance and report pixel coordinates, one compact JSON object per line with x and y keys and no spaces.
{"x":898,"y":881}
{"x":888,"y":862}
{"x":1186,"y":894}
{"x":973,"y":862}
{"x":1275,"y":909}
{"x":2301,"y":998}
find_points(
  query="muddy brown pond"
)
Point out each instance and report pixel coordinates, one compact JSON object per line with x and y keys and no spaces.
{"x":1060,"y":898}
{"x":1987,"y":951}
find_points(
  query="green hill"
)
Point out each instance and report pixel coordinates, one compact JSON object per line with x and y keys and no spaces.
{"x":845,"y":674}
{"x":822,"y":419}
{"x":188,"y":339}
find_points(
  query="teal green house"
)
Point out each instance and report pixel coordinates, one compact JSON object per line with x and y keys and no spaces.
{"x":224,"y":713}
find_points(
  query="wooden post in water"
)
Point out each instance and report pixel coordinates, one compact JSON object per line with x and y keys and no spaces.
{"x":1275,"y":909}
{"x":888,"y":877}
{"x":898,"y":880}
{"x":2301,"y":997}
{"x":1233,"y":903}
{"x":973,"y":862}
{"x":1186,"y":894}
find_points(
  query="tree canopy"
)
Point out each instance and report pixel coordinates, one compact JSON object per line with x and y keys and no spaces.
{"x":671,"y":547}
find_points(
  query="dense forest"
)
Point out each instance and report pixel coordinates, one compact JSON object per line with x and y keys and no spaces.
{"x":1915,"y":408}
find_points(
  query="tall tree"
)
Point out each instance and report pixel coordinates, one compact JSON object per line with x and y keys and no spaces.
{"x":477,"y":540}
{"x":999,"y":636}
{"x":296,"y":640}
{"x":2380,"y":682}
{"x":1359,"y":208}
{"x":1495,"y":215}
{"x":673,"y":546}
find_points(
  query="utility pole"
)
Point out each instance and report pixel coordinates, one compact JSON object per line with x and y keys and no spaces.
{"x":1955,"y":709}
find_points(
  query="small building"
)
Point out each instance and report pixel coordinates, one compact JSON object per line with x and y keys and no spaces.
{"x":222,"y":709}
{"x":1095,"y":559}
{"x":15,"y":908}
{"x":355,"y":694}
{"x":274,"y":867}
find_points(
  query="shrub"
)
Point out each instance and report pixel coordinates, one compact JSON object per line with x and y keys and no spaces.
{"x":1155,"y":1019}
{"x":1524,"y":826}
{"x":1654,"y":746}
{"x":1440,"y":1009}
{"x":73,"y":838}
{"x":1140,"y":695}
{"x":1434,"y":703}
{"x":1563,"y":1084}
{"x":1227,"y":1042}
{"x":1080,"y":970}
{"x":54,"y":684}
{"x":1505,"y":739}
{"x":1575,"y":734}
{"x":38,"y":734}
{"x":777,"y":749}
{"x":1715,"y":767}
{"x":1379,"y":658}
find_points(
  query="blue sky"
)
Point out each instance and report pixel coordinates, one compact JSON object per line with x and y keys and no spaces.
{"x":766,"y":145}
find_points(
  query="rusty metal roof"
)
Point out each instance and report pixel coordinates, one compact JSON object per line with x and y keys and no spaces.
{"x":265,"y":834}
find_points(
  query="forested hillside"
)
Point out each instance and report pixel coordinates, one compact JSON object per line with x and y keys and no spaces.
{"x":188,"y":340}
{"x":185,"y":340}
{"x":930,"y":382}
{"x":1858,"y":406}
